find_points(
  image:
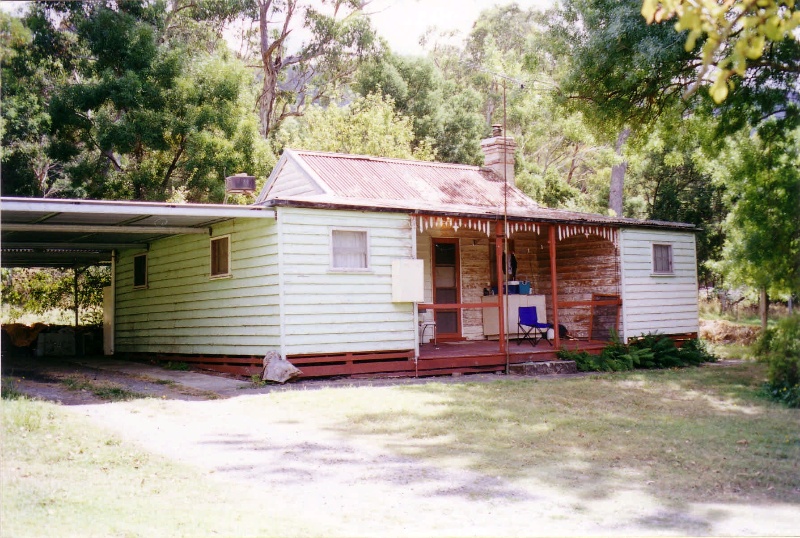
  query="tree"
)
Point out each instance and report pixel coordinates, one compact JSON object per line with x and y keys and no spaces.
{"x":762,"y":175}
{"x":673,"y":178}
{"x":417,"y":89}
{"x":367,"y":126}
{"x":619,"y":72}
{"x":735,"y":34}
{"x":503,"y":60}
{"x":30,"y":75}
{"x":39,"y":291}
{"x":313,"y":73}
{"x":138,"y":113}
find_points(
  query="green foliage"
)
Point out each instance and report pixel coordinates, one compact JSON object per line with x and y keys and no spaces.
{"x":620,"y":70}
{"x":779,"y":347}
{"x":651,"y":351}
{"x":117,"y":100}
{"x":368,"y":126}
{"x":417,"y":89}
{"x":762,"y":175}
{"x":37,"y":291}
{"x":734,"y":35}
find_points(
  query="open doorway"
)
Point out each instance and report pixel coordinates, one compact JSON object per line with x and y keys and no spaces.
{"x":446,"y":287}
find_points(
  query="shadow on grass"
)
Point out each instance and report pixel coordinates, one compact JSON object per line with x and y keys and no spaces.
{"x":694,"y":435}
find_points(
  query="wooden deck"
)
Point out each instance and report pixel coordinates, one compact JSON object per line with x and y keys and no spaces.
{"x":484,"y":355}
{"x":468,"y":356}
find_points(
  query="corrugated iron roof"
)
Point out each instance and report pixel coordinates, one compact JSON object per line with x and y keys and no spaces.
{"x":380,"y":183}
{"x":410,"y":183}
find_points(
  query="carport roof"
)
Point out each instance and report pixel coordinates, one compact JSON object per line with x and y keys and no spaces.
{"x":39,"y":232}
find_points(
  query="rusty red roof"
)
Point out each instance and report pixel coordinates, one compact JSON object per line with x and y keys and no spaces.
{"x":405,"y":181}
{"x":380,"y":183}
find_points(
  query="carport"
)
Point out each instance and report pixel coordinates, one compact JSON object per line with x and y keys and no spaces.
{"x":76,"y":234}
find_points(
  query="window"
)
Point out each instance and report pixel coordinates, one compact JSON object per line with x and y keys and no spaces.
{"x":662,"y":259}
{"x":140,"y":271}
{"x":220,"y":256}
{"x":349,"y":250}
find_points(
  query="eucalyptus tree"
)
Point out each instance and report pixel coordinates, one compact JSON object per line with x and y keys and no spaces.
{"x":505,"y":59}
{"x":621,"y":73}
{"x":334,"y":36}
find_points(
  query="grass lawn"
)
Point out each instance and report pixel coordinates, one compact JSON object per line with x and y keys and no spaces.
{"x":679,"y":436}
{"x":64,"y":477}
{"x":696,"y":434}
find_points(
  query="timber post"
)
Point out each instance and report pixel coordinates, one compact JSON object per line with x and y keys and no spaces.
{"x":554,"y":286}
{"x":499,"y":236}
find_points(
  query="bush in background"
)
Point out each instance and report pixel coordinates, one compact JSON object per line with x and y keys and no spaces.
{"x":779,"y":347}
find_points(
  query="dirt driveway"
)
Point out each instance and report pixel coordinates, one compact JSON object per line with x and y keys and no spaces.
{"x":359,"y":486}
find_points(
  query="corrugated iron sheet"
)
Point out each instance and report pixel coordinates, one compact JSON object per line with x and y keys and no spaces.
{"x":403,"y":181}
{"x":362,"y":182}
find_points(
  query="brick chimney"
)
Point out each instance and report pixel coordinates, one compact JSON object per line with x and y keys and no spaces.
{"x":495,"y":159}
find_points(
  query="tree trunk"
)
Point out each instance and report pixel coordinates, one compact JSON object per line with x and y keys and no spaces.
{"x":763,"y":308}
{"x":269,"y":72}
{"x":618,"y":175}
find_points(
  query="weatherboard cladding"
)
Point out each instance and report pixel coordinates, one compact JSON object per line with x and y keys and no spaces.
{"x":658,"y":303}
{"x":184,"y":310}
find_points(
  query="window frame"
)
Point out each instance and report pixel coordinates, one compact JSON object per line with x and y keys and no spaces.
{"x":671,"y":260}
{"x":368,"y":255}
{"x":146,"y":272}
{"x":211,"y":242}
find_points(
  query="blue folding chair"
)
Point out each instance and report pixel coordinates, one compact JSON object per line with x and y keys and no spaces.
{"x":529,"y":328}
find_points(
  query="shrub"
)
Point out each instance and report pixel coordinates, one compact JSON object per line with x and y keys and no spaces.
{"x":695,"y":352}
{"x":779,"y":347}
{"x":648,"y":352}
{"x":584,"y":362}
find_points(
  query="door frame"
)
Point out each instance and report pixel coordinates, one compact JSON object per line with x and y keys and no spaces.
{"x":439,"y":334}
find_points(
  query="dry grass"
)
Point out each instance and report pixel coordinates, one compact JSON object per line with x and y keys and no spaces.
{"x":676,"y":438}
{"x":700,"y":434}
{"x":63,"y":477}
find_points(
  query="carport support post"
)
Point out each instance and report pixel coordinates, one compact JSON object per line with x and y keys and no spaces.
{"x":75,"y":274}
{"x":75,"y":297}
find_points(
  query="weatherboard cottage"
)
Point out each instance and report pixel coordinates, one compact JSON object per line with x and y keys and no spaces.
{"x":342,"y":256}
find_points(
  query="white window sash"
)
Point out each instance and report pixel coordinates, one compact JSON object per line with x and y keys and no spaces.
{"x":349,"y":249}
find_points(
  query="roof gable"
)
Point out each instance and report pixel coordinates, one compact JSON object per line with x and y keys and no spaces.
{"x":403,"y":184}
{"x":290,"y":178}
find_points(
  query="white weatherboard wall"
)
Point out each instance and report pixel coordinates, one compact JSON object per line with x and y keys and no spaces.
{"x":329,"y":311}
{"x":664,"y":304}
{"x":184,"y":311}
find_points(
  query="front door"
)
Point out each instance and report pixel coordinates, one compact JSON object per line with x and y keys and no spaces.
{"x":446,"y":287}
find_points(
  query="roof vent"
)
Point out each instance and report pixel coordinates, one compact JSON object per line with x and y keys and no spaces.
{"x":240,"y":184}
